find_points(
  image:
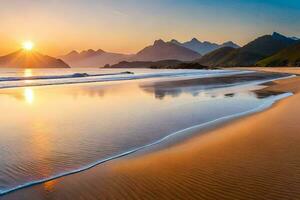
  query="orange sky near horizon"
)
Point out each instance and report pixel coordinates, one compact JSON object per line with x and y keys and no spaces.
{"x":59,"y":26}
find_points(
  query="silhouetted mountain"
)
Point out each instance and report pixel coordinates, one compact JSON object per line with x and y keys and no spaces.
{"x":92,"y":58}
{"x":30,"y":59}
{"x":204,"y":47}
{"x":289,"y":56}
{"x":162,"y":64}
{"x":161,"y":50}
{"x":145,"y":64}
{"x":251,"y":53}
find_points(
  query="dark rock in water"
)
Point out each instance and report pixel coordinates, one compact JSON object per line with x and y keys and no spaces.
{"x":127,"y":72}
{"x":78,"y":75}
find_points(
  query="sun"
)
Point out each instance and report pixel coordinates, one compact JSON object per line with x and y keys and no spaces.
{"x":28,"y":45}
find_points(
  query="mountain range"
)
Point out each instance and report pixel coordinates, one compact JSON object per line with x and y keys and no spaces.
{"x":92,"y":58}
{"x":249,"y":54}
{"x":160,"y":50}
{"x":204,"y":47}
{"x":267,"y":50}
{"x":31,"y":59}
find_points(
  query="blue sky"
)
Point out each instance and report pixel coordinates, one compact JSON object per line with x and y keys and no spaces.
{"x":58,"y":26}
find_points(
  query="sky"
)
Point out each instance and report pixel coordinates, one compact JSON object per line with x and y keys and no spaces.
{"x":126,"y":26}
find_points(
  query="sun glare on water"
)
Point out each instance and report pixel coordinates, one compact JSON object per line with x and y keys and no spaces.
{"x":28,"y":45}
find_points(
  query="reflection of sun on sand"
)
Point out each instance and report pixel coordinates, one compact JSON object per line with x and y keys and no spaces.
{"x":28,"y":95}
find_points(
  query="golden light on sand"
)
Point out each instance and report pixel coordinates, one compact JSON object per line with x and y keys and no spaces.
{"x":28,"y":45}
{"x":29,"y":95}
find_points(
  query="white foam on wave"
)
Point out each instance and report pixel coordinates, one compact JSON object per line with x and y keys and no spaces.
{"x":76,"y":78}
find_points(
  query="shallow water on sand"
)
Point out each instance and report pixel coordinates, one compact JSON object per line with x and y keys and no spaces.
{"x":53,"y":130}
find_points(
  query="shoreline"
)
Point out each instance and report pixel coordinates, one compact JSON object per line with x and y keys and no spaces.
{"x":33,"y":188}
{"x":114,"y":78}
{"x":147,"y":147}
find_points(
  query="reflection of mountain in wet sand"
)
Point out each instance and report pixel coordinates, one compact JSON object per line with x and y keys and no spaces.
{"x":197,"y":86}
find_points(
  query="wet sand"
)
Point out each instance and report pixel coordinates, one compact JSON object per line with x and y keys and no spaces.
{"x":292,"y":70}
{"x":254,"y":157}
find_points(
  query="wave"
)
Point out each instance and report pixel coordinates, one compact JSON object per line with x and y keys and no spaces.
{"x":268,"y":103}
{"x":75,"y":78}
{"x":75,"y":75}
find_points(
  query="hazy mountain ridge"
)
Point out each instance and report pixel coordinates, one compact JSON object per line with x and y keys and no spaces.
{"x":204,"y":47}
{"x":160,"y":50}
{"x":92,"y":58}
{"x":31,"y":59}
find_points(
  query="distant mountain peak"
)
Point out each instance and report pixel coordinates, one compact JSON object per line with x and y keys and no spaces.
{"x":159,"y":42}
{"x":91,"y":51}
{"x":175,"y":42}
{"x":276,"y":34}
{"x":100,"y":51}
{"x":230,"y":44}
{"x":205,"y":46}
{"x":195,"y":40}
{"x":279,"y":36}
{"x":73,"y":53}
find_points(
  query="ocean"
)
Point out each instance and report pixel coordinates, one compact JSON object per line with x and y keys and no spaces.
{"x":55,"y":123}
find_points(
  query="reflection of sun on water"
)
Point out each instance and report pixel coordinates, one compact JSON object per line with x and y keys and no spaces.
{"x":29,"y":95}
{"x":27,"y":73}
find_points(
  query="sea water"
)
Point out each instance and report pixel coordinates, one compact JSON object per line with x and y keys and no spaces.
{"x":52,"y":127}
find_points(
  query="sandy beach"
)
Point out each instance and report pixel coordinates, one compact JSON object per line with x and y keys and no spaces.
{"x":253,"y":157}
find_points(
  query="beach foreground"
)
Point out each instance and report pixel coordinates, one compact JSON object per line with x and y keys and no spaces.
{"x":254,"y":157}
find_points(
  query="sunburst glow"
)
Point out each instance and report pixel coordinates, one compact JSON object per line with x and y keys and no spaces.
{"x":28,"y":45}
